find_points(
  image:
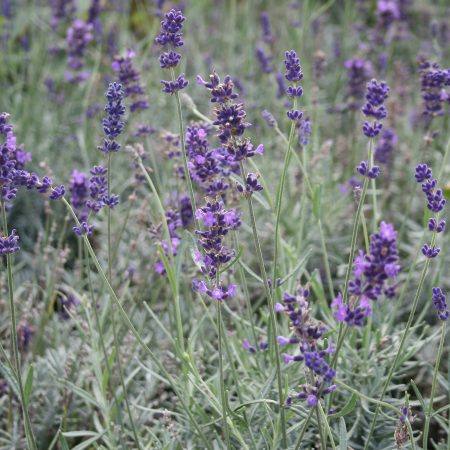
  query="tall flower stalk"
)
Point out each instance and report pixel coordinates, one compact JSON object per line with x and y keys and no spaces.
{"x":435,"y":203}
{"x":170,"y":37}
{"x":113,"y":126}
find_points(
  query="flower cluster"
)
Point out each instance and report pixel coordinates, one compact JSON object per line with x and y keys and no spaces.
{"x":113,"y":124}
{"x":371,"y":272}
{"x":377,"y":93}
{"x":218,"y":222}
{"x":306,"y":333}
{"x":79,"y":193}
{"x":293,"y":75}
{"x":230,"y":120}
{"x":435,"y":203}
{"x":265,"y":60}
{"x":170,"y":36}
{"x":358,"y":72}
{"x":129,"y":77}
{"x":434,"y":82}
{"x":207,"y":167}
{"x":440,"y":304}
{"x":13,"y":175}
{"x":266,"y":28}
{"x":79,"y":35}
{"x":385,"y":147}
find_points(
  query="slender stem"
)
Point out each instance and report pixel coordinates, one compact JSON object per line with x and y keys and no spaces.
{"x":272,"y":318}
{"x":279,"y":199}
{"x":429,"y":413}
{"x":222,"y":383}
{"x":374,"y":190}
{"x":303,"y":430}
{"x":116,"y":341}
{"x":135,"y":333}
{"x":16,"y":357}
{"x":187,"y":175}
{"x":323,"y":445}
{"x":393,"y":366}
{"x":178,"y":319}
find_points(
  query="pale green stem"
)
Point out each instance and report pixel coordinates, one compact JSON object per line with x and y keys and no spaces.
{"x":222,"y":382}
{"x":15,"y":347}
{"x":429,"y":413}
{"x":279,"y":199}
{"x":116,"y":341}
{"x":187,"y":175}
{"x":272,"y":318}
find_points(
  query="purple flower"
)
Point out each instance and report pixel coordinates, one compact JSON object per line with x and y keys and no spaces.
{"x":307,"y":332}
{"x":170,"y":35}
{"x":385,"y":146}
{"x":434,"y":82}
{"x":293,"y":68}
{"x":358,"y":72}
{"x":79,"y":35}
{"x":171,"y":87}
{"x":9,"y":244}
{"x":129,"y":77}
{"x":266,"y":28}
{"x":264,"y":60}
{"x":218,"y":222}
{"x":440,"y":304}
{"x":377,"y":93}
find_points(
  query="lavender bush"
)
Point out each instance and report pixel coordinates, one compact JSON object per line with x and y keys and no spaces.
{"x":223,"y":225}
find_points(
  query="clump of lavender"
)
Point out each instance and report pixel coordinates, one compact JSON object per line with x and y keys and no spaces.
{"x":371,"y":272}
{"x":218,"y":222}
{"x":434,"y":83}
{"x":79,"y":35}
{"x":170,"y":37}
{"x":435,"y":203}
{"x":358,"y":72}
{"x":306,"y":333}
{"x":129,"y":77}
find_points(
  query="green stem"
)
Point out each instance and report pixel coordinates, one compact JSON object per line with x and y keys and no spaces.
{"x":16,"y":357}
{"x":178,"y":319}
{"x":116,"y":341}
{"x":272,"y":318}
{"x":303,"y":430}
{"x":279,"y":199}
{"x":374,"y":191}
{"x":429,"y":413}
{"x":187,"y":175}
{"x":222,"y":383}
